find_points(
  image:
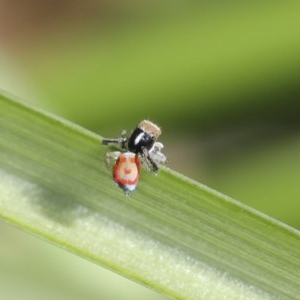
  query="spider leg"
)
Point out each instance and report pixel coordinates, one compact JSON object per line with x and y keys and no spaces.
{"x":149,"y":160}
{"x":121,"y":140}
{"x":111,"y":156}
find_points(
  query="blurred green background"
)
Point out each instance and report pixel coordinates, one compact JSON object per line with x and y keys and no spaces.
{"x":221,"y":78}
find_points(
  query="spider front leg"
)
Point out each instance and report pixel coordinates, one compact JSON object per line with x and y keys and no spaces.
{"x":121,"y":141}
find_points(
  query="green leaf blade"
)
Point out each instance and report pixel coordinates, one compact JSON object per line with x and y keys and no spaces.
{"x":172,"y":234}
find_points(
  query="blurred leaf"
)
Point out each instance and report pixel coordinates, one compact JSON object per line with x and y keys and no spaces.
{"x":173,"y":234}
{"x":197,"y":63}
